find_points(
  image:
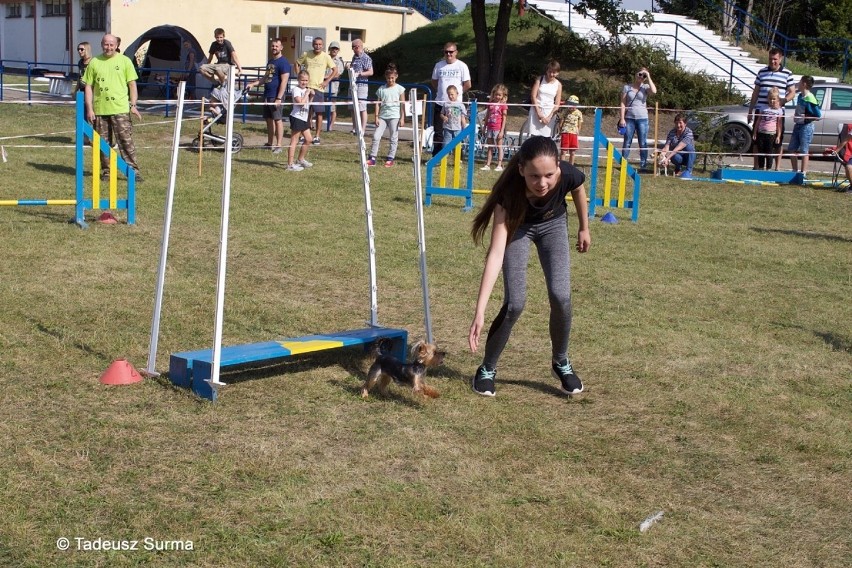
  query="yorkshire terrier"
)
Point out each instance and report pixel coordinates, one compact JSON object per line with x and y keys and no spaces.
{"x":387,"y":367}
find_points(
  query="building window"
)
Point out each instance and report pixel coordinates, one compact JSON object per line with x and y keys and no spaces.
{"x":30,"y":10}
{"x":93,"y":16}
{"x":351,"y":34}
{"x":13,"y":10}
{"x":55,"y":7}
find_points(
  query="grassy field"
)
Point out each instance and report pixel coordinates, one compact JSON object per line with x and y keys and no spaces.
{"x":714,"y":338}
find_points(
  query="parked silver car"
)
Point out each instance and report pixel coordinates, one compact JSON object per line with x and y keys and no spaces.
{"x":835,"y":100}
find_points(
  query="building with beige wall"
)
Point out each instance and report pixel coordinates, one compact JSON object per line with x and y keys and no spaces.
{"x":48,"y":31}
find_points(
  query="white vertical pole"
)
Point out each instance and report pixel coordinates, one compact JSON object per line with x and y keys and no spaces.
{"x":151,"y":369}
{"x":418,"y":204}
{"x":368,"y":205}
{"x":223,"y":233}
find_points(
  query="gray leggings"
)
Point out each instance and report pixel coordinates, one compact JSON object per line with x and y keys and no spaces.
{"x":392,"y":124}
{"x":551,"y":241}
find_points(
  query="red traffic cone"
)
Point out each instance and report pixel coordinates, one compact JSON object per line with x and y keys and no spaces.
{"x":121,"y":372}
{"x":107,"y":218}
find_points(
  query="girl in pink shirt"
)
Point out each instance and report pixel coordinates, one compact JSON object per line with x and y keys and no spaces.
{"x":495,"y":124}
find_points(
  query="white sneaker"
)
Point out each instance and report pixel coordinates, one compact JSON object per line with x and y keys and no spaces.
{"x":305,"y":164}
{"x":485,"y":168}
{"x":498,"y":169}
{"x":295,"y":168}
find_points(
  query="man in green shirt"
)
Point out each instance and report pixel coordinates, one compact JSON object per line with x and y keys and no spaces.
{"x":111,"y":96}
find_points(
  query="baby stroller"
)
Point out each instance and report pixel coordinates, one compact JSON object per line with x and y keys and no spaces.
{"x":218,"y":113}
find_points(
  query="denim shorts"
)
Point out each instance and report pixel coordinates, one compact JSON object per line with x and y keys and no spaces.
{"x":800,"y":141}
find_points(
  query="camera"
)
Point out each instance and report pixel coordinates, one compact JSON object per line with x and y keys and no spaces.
{"x":643,"y":75}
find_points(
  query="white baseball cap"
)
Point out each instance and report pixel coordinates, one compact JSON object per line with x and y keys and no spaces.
{"x":334,"y":45}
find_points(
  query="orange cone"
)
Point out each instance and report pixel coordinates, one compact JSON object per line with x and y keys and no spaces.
{"x":121,"y":372}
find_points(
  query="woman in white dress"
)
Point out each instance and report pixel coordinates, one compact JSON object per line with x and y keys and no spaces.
{"x":545,"y":95}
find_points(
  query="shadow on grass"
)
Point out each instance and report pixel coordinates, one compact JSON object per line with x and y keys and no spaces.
{"x":55,"y":169}
{"x":63,"y":337}
{"x":47,"y":212}
{"x":57,"y":139}
{"x":836,"y":342}
{"x":806,"y":234}
{"x":545,"y":388}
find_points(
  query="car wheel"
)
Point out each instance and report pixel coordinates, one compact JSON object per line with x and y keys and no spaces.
{"x":736,"y":138}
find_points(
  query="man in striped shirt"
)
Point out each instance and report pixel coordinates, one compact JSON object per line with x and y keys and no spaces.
{"x":773,"y":75}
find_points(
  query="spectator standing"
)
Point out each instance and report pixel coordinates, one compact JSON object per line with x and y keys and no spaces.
{"x":362,"y":65}
{"x":299,"y":125}
{"x":225,"y":55}
{"x":449,"y":71}
{"x":545,"y":94}
{"x":679,"y":149}
{"x":495,"y":124}
{"x":453,"y":115}
{"x":111,"y":95}
{"x":807,"y":112}
{"x":317,"y":63}
{"x":390,"y":99}
{"x":768,"y":128}
{"x":334,"y":52}
{"x":572,"y":122}
{"x":773,"y":75}
{"x":84,"y":50}
{"x":274,"y":88}
{"x":634,"y":114}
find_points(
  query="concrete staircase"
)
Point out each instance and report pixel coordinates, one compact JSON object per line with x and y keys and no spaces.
{"x":689,"y":43}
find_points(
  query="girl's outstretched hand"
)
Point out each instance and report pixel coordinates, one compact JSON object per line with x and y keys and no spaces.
{"x":475,"y":332}
{"x":584,"y":240}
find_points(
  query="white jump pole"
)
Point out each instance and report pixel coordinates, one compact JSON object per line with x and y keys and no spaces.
{"x":151,"y":369}
{"x":418,"y":204}
{"x":223,"y":235}
{"x":368,"y":204}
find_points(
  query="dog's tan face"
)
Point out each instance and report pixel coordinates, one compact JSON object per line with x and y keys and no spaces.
{"x":427,"y":353}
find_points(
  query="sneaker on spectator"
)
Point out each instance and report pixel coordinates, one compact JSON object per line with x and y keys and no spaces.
{"x":295,"y":168}
{"x":371,"y":161}
{"x":388,"y":163}
{"x":276,"y":150}
{"x":316,"y":141}
{"x":687,"y":174}
{"x":483,"y":381}
{"x":485,"y":168}
{"x":498,"y":169}
{"x":305,"y":164}
{"x":564,"y":373}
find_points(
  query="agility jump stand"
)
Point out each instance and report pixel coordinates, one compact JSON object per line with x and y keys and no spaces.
{"x":200,"y":370}
{"x":468,"y":134}
{"x":612,"y":155}
{"x":85,"y":131}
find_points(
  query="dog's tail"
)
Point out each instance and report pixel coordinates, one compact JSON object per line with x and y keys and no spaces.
{"x":430,"y":392}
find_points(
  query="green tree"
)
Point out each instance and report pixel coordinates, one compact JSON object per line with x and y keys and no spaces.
{"x":609,"y":13}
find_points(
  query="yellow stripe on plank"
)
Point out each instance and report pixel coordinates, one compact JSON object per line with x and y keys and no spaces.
{"x":296,"y":347}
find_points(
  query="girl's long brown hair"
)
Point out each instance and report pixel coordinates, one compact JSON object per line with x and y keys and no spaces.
{"x":510,"y":190}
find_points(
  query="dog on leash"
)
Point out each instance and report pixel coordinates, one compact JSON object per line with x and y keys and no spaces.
{"x":387,"y":368}
{"x":663,"y":163}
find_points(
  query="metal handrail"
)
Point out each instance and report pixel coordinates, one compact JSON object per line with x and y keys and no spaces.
{"x":733,"y":62}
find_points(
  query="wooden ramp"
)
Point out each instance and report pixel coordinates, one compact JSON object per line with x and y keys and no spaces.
{"x":193,"y":369}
